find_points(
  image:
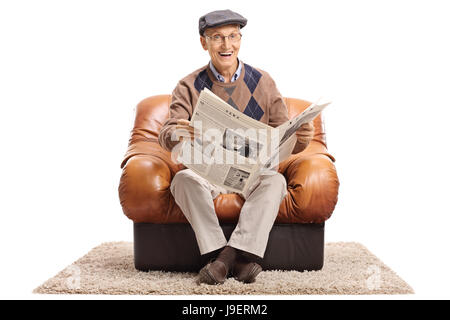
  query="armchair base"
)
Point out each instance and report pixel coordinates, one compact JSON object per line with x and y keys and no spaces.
{"x":173,"y":247}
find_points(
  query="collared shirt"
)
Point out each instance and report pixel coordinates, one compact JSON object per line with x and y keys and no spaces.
{"x":220,"y":77}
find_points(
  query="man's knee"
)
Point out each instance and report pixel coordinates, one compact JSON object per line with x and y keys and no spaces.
{"x":275,"y":179}
{"x":180,"y":176}
{"x":186,"y":179}
{"x":275,"y":182}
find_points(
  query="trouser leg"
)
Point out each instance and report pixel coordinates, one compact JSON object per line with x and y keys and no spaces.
{"x":258,"y":214}
{"x":194,"y":195}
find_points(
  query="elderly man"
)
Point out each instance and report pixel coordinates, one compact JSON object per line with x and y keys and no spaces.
{"x":253,"y":92}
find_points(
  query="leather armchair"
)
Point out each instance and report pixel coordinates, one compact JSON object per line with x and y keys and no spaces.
{"x":146,"y":199}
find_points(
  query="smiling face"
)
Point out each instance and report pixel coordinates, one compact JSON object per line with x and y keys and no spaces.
{"x":223,"y":53}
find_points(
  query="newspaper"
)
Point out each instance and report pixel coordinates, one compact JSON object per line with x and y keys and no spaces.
{"x":231,"y":149}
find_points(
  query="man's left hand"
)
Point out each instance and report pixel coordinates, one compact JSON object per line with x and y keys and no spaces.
{"x":305,"y":133}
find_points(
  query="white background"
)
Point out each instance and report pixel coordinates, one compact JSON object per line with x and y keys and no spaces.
{"x":71,"y":73}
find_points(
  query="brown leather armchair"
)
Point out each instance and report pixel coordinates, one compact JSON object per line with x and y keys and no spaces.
{"x":163,"y":238}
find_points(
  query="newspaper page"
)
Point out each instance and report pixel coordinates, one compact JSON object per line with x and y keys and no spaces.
{"x":230,"y":146}
{"x":232,"y":149}
{"x":287,"y":134}
{"x":289,"y":128}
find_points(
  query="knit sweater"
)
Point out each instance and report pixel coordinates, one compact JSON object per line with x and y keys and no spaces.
{"x":254,"y":93}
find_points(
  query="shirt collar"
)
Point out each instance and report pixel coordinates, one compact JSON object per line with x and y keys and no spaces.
{"x":220,"y":78}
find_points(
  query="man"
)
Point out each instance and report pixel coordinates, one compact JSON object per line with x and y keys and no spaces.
{"x":253,"y":92}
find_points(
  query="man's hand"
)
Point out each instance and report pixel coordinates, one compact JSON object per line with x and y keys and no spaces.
{"x":305,"y":133}
{"x":184,"y":130}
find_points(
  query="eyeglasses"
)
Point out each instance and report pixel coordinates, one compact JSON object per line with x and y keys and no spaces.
{"x":217,"y":38}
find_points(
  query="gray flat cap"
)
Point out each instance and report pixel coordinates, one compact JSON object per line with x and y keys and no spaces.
{"x":220,"y":18}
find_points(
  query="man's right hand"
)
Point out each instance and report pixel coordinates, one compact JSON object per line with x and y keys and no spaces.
{"x":184,"y":130}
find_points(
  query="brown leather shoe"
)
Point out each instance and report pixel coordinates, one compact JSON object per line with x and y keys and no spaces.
{"x":213,"y":273}
{"x":246,"y":271}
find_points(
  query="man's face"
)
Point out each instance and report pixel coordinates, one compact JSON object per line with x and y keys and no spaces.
{"x":220,"y":51}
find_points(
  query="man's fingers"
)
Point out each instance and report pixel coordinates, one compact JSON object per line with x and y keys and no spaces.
{"x":189,"y":134}
{"x":183,"y":122}
{"x":182,"y":126}
{"x":185,"y":128}
{"x":307,"y":125}
{"x":306,"y":131}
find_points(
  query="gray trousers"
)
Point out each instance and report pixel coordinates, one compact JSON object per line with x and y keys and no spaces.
{"x":194,"y":195}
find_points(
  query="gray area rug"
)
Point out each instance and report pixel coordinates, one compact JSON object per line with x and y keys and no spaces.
{"x":349,"y":269}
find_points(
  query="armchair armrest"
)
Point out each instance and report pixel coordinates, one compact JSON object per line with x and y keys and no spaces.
{"x":312,"y":189}
{"x":141,"y":189}
{"x":145,"y":181}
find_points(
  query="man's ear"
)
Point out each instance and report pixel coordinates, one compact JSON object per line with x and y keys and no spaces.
{"x":203,"y":42}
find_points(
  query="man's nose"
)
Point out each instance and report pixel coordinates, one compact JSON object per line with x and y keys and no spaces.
{"x":226,"y":42}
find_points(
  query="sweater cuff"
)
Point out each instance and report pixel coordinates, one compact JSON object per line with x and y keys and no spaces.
{"x":165,"y":138}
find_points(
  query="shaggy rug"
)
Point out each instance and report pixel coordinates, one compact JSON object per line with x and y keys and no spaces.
{"x":349,"y":268}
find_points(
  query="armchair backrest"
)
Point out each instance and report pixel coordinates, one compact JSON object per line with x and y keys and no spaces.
{"x":152,"y":112}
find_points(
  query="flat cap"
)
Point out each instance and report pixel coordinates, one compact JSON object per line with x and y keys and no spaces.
{"x":220,"y":18}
